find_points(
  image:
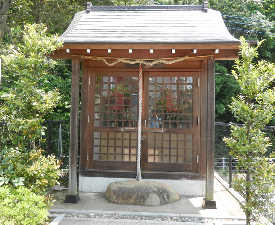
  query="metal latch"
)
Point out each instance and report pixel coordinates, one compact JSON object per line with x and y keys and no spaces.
{"x":143,"y":138}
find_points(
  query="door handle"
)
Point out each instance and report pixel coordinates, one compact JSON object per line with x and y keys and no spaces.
{"x":125,"y":129}
{"x":153,"y":131}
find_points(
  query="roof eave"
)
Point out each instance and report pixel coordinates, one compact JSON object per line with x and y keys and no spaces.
{"x":155,"y":45}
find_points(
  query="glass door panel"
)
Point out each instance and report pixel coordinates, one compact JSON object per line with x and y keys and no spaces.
{"x":116,"y":101}
{"x":170,"y":102}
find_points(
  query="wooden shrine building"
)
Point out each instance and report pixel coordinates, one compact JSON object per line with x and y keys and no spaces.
{"x":147,"y":85}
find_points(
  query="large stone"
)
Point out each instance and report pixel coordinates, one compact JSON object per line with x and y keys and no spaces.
{"x":141,"y":193}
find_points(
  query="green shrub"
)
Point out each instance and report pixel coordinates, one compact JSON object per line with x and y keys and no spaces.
{"x":22,"y":206}
{"x":31,"y":169}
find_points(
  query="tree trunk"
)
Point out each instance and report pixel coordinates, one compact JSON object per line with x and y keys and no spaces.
{"x":4,"y":10}
{"x":247,"y":188}
{"x":247,"y":196}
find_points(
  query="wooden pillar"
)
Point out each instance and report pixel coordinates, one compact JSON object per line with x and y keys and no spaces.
{"x":203,"y":118}
{"x":73,"y":195}
{"x":84,"y":119}
{"x":208,"y":201}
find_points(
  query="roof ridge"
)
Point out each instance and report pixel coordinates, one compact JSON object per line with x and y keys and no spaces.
{"x":202,"y":7}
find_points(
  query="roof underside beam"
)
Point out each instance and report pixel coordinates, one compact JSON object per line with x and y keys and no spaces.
{"x":209,"y":45}
{"x":222,"y":54}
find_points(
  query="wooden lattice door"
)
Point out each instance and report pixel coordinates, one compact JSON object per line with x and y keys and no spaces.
{"x":170,"y":114}
{"x":169,"y":125}
{"x":115,"y":108}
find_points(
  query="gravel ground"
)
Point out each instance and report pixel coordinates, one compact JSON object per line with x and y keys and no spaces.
{"x":154,"y":218}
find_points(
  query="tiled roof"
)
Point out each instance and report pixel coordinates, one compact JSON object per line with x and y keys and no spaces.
{"x":148,"y":25}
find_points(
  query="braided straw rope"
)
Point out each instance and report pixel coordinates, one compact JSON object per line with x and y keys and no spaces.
{"x":139,"y":61}
{"x":139,"y":122}
{"x":148,"y":62}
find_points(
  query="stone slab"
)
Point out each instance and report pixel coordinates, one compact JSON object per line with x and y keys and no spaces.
{"x":184,"y":187}
{"x":141,"y":193}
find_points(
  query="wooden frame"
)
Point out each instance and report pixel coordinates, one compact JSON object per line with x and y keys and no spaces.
{"x":86,"y":138}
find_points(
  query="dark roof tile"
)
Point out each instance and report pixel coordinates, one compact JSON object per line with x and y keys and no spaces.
{"x":141,"y":25}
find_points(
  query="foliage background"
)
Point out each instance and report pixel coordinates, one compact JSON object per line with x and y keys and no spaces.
{"x":252,"y":19}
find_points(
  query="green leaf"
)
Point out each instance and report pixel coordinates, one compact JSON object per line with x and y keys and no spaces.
{"x":18,"y":181}
{"x":3,"y":180}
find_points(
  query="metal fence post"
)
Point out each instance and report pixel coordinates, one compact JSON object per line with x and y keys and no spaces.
{"x":49,"y":137}
{"x":230,"y":171}
{"x":223,"y":164}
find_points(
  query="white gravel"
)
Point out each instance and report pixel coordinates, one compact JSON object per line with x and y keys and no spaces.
{"x":155,"y":218}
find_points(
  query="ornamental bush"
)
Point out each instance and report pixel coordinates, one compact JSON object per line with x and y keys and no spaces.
{"x":29,"y":168}
{"x":22,"y":206}
{"x":24,"y":103}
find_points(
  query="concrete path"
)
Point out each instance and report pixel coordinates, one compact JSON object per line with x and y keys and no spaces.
{"x":93,"y":208}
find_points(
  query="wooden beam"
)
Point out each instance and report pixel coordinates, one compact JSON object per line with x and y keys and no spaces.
{"x":73,"y":195}
{"x":208,"y":201}
{"x":224,"y":54}
{"x":234,"y":45}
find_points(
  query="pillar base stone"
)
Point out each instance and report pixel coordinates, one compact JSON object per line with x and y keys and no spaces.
{"x":72,"y":198}
{"x":209,"y":204}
